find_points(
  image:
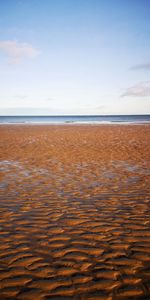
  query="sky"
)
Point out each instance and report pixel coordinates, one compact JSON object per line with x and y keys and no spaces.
{"x":60,"y":57}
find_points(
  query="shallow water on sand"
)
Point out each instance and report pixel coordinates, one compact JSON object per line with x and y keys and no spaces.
{"x":75,"y":212}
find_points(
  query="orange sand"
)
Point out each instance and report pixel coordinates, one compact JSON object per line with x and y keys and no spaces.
{"x":75,"y":212}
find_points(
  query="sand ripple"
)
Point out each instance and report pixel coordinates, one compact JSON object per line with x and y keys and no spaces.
{"x":75,"y":216}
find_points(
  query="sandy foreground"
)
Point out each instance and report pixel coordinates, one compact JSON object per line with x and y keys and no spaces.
{"x":75,"y":212}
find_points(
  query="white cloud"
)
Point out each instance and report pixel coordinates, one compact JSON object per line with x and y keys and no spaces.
{"x":145,"y":67}
{"x":20,"y":97}
{"x":18,"y":51}
{"x":50,"y":99}
{"x":141,"y":89}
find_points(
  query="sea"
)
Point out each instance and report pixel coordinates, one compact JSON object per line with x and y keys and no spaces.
{"x":76,"y":119}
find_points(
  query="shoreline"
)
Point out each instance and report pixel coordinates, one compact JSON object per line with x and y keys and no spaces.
{"x":79,"y":123}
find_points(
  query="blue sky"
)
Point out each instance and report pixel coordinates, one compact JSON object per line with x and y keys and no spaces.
{"x":74,"y":57}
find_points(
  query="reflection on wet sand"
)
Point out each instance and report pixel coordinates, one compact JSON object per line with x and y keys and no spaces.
{"x":75,"y":212}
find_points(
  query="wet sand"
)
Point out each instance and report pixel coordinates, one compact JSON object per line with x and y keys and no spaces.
{"x":75,"y":212}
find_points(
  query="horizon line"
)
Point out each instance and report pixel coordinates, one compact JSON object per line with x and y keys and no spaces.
{"x":75,"y":115}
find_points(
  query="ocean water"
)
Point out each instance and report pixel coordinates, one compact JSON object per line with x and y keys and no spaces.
{"x":93,"y":119}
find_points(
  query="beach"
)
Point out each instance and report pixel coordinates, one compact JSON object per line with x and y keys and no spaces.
{"x":75,"y":212}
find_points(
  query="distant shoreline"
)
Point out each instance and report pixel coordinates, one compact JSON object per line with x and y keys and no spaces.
{"x":76,"y":119}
